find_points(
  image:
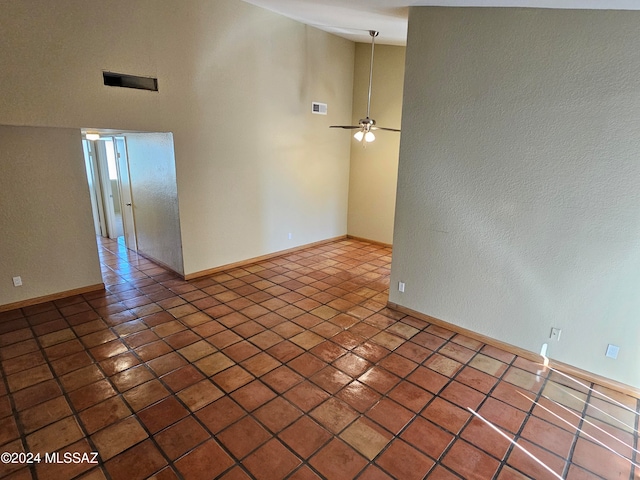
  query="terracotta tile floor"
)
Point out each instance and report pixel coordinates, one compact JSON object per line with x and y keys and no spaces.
{"x":288,"y":368}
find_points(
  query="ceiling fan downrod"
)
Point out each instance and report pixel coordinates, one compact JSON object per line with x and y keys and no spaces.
{"x":366,"y":125}
{"x":373,"y":34}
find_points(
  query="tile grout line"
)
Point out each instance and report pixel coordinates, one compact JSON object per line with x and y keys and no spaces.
{"x":163,"y":337}
{"x":14,"y":409}
{"x":342,"y":259}
{"x":331,"y":395}
{"x":450,"y":380}
{"x":416,"y":415}
{"x":345,"y":329}
{"x":518,"y":434}
{"x":635,"y":471}
{"x":74,"y":413}
{"x":65,"y":395}
{"x":119,"y":394}
{"x":458,"y":436}
{"x":577,"y":434}
{"x":333,"y":436}
{"x":236,"y":363}
{"x":170,"y":463}
{"x":151,"y":437}
{"x":328,"y":338}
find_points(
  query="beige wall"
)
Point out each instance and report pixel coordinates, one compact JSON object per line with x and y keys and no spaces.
{"x":235,"y":88}
{"x":374,"y":169}
{"x":155,"y":197}
{"x":518,"y":204}
{"x":45,"y":214}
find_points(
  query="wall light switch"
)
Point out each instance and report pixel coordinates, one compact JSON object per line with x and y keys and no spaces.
{"x":401,"y":287}
{"x":612,"y":351}
{"x":17,"y":281}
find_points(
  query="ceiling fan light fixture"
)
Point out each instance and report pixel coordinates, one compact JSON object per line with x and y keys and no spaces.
{"x":365,"y":125}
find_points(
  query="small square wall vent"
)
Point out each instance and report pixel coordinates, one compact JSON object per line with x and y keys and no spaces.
{"x":112,"y":79}
{"x":319,"y":108}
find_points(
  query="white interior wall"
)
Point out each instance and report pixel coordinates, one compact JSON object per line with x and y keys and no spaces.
{"x":236,"y":84}
{"x":374,"y":167}
{"x":45,"y":214}
{"x":518,"y":202}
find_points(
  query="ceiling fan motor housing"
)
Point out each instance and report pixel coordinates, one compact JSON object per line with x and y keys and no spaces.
{"x":367,"y":123}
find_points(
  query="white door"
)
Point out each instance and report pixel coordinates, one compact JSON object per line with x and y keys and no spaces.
{"x":126,"y":198}
{"x":95,"y":191}
{"x":107,"y":167}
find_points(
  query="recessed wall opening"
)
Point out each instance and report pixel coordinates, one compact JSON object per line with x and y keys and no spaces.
{"x":112,"y":79}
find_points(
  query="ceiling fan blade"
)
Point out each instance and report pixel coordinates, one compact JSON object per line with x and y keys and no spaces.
{"x":348,"y":127}
{"x":384,"y":128}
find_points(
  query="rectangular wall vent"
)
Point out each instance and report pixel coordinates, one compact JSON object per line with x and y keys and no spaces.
{"x":319,"y":108}
{"x":130,"y":81}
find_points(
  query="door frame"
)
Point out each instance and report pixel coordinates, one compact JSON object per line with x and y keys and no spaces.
{"x":105,"y":184}
{"x":101,"y":188}
{"x":126,"y":193}
{"x":95,"y":187}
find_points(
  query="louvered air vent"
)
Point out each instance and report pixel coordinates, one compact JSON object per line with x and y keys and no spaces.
{"x":319,"y":108}
{"x":130,"y":81}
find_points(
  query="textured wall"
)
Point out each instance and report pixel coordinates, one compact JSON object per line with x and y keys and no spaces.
{"x":155,"y":197}
{"x":518,"y":201}
{"x":45,"y":214}
{"x":236,"y":84}
{"x":374,"y":169}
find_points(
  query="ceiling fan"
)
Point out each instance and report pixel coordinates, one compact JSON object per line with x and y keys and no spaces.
{"x":366,"y":125}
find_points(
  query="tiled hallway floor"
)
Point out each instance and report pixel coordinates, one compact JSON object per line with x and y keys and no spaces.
{"x":288,"y":368}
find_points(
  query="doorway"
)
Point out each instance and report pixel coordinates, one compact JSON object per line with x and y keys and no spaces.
{"x":107,"y":166}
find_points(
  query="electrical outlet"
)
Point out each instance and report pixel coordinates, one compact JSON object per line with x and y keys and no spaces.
{"x":17,"y":281}
{"x":555,"y":334}
{"x":612,"y":351}
{"x":401,"y":287}
{"x":290,"y":235}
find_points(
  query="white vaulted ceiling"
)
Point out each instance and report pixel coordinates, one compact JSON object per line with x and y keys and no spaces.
{"x":353,"y":19}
